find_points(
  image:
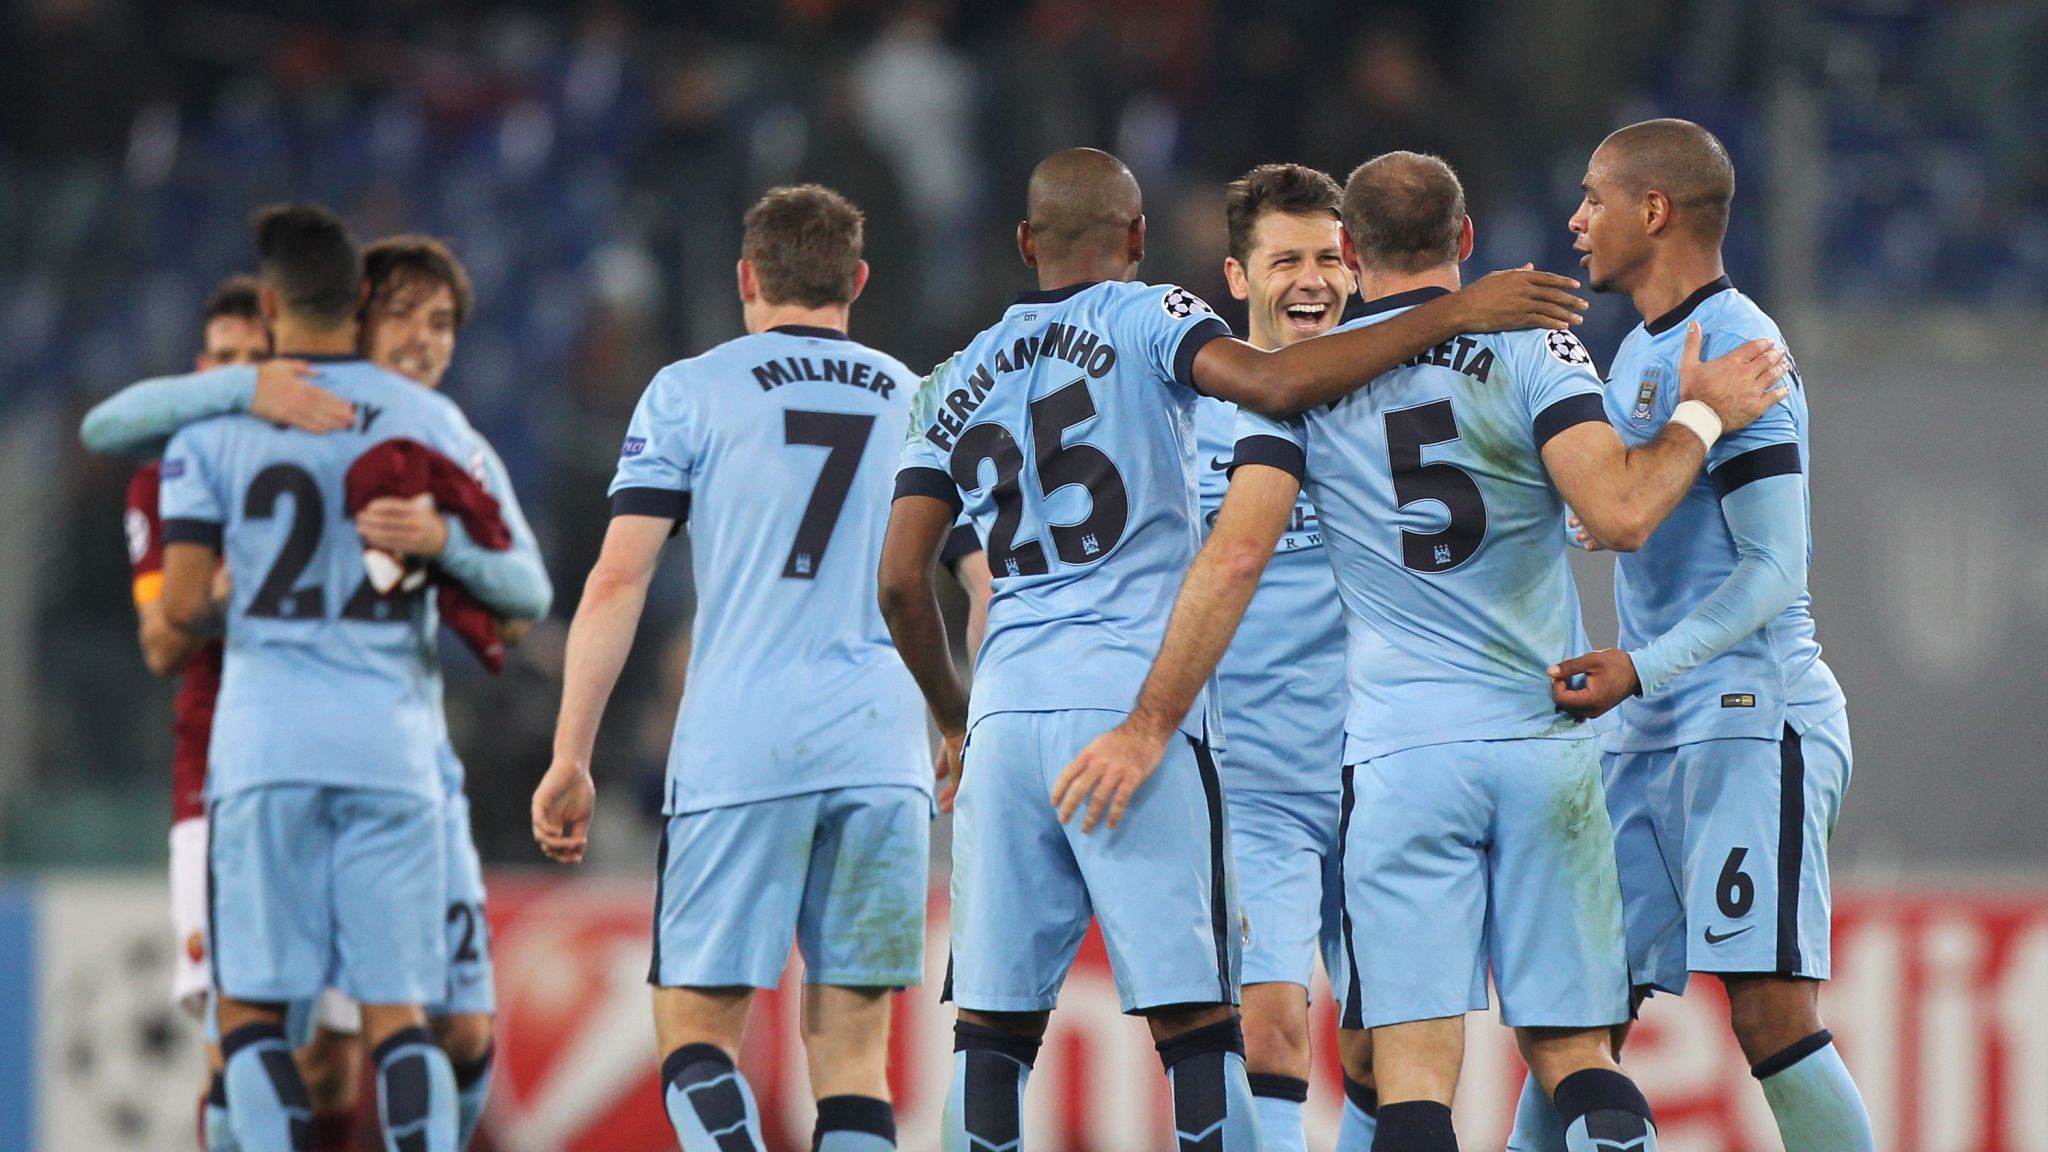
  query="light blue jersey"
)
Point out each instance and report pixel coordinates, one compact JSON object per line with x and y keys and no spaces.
{"x":1282,"y":681}
{"x":1067,"y":431}
{"x":1775,"y":676}
{"x":778,"y":449}
{"x":1442,"y":525}
{"x":326,"y":682}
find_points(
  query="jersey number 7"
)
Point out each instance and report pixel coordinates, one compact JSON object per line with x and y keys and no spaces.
{"x":845,"y":435}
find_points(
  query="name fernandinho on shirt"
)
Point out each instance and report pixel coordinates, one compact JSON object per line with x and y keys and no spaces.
{"x":1071,"y":343}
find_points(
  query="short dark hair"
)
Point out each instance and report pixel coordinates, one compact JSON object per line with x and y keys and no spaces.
{"x":1405,"y":212}
{"x":392,"y":261}
{"x":805,"y":243}
{"x":1291,"y":189}
{"x":239,"y":296}
{"x":1682,"y":160}
{"x":310,"y":260}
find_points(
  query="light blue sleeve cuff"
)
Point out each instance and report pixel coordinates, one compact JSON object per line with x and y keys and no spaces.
{"x":512,"y":582}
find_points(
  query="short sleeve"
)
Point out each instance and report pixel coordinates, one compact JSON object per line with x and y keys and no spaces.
{"x":924,"y":469}
{"x":961,"y":543}
{"x":1168,"y":324}
{"x":1281,"y":444}
{"x":190,"y":504}
{"x":656,"y":460}
{"x":1559,"y":389}
{"x":1769,"y":446}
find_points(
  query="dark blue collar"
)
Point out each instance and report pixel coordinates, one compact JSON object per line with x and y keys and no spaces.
{"x":1052,"y":295}
{"x":1676,"y":316}
{"x":320,"y":357}
{"x":813,"y":333}
{"x":1406,"y":299}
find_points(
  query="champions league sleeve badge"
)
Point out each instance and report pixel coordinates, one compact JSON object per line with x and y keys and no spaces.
{"x":1181,"y":304}
{"x":1566,"y":347}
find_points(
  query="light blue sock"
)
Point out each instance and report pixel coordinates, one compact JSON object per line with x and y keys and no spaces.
{"x":472,"y":1092}
{"x":266,"y":1099}
{"x":415,"y":1093}
{"x":1361,"y":1120}
{"x":1537,"y":1128}
{"x":1602,"y":1110}
{"x":1213,"y":1109}
{"x":1279,"y":1099}
{"x":220,"y":1127}
{"x":1815,"y":1100}
{"x":985,"y":1107}
{"x":709,"y":1103}
{"x":854,"y":1124}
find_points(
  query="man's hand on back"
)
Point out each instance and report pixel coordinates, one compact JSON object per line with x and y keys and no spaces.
{"x":284,"y":396}
{"x":1518,"y":298}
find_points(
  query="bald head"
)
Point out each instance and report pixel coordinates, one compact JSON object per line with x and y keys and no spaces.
{"x":1679,"y":159}
{"x":1082,"y":200}
{"x":1405,"y":212}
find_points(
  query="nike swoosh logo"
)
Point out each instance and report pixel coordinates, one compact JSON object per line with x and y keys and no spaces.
{"x":1714,"y":937}
{"x":1219,"y":463}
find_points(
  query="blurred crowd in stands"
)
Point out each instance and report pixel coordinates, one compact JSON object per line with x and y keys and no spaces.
{"x":590,"y":163}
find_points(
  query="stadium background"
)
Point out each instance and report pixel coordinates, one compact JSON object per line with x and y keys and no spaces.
{"x":590,"y":163}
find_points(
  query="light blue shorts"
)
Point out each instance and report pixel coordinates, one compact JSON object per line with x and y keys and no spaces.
{"x":842,"y":872}
{"x":313,"y":886}
{"x":471,"y":990}
{"x":1724,"y":853}
{"x":1489,"y":853}
{"x":1289,"y":884}
{"x":1024,"y":885}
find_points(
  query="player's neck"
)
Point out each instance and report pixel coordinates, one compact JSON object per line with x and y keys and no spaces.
{"x":1374,"y":285}
{"x":1674,"y":276}
{"x":1054,"y":275}
{"x":764,"y":317}
{"x":298,"y":338}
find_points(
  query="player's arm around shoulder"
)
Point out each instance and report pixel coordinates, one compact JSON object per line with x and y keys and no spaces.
{"x":1328,"y":368}
{"x":1212,"y":601}
{"x":137,"y":420}
{"x":1621,"y":494}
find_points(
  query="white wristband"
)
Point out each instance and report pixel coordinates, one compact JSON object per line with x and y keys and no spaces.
{"x":1704,"y":422}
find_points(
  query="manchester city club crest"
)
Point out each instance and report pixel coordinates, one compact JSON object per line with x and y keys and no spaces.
{"x":1646,"y":395}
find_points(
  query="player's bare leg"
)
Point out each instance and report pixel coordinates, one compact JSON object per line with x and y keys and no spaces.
{"x":415,"y":1083}
{"x":1416,"y":1066}
{"x":1777,"y":1021}
{"x":846,"y":1042}
{"x":699,"y":1031}
{"x":1361,"y":1091}
{"x":466,"y":1038}
{"x":1597,"y":1105}
{"x":331,"y":1064}
{"x":266,"y":1099}
{"x":1276,"y":1058}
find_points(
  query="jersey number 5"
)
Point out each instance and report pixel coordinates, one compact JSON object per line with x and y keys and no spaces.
{"x":279,"y":596}
{"x":1059,"y":465}
{"x":1409,"y":430}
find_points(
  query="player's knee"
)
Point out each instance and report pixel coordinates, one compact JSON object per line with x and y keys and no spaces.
{"x":1354,"y":1052}
{"x":331,"y":1066}
{"x":465,"y":1036}
{"x":1174,"y":1019}
{"x":1770,"y":1013}
{"x":1277,"y":1042}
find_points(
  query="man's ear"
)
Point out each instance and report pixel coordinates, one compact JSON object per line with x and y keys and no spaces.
{"x":1656,"y":211}
{"x":860,"y":280}
{"x":266,"y":299}
{"x":1136,"y":244}
{"x":1027,"y":244}
{"x":1465,"y":235}
{"x":1351,"y":260}
{"x":1238,"y":278}
{"x":750,"y":284}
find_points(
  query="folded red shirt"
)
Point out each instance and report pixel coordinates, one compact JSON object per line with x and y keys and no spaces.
{"x":406,"y":468}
